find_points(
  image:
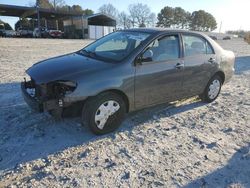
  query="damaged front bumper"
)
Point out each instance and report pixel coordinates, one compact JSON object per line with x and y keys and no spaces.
{"x":39,"y":104}
{"x":34,"y":103}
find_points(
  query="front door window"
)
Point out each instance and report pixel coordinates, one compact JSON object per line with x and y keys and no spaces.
{"x":164,"y":49}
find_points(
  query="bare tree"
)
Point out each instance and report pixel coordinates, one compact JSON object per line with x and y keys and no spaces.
{"x":109,"y":9}
{"x":32,"y":3}
{"x":57,"y":3}
{"x":124,"y":20}
{"x":48,"y":4}
{"x":140,"y":15}
{"x":41,"y":3}
{"x":151,"y":22}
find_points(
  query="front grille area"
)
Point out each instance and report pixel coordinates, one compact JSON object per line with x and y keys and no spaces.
{"x":38,"y":91}
{"x":42,"y":92}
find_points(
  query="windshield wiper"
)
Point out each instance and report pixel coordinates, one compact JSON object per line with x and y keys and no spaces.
{"x":88,"y":53}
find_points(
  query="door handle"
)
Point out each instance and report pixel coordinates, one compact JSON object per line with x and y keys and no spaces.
{"x":211,"y":60}
{"x":179,"y":65}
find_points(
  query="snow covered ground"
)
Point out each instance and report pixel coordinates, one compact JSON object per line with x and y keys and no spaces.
{"x":185,"y":144}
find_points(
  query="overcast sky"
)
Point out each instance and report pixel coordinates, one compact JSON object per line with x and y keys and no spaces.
{"x":234,"y":14}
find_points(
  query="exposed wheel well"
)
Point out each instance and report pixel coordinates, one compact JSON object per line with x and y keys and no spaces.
{"x":221,"y":74}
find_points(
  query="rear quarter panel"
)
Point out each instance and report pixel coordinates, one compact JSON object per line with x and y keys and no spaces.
{"x":227,"y":60}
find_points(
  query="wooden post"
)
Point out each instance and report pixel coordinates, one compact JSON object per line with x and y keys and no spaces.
{"x":38,"y":18}
{"x":57,"y":25}
{"x":82,"y":26}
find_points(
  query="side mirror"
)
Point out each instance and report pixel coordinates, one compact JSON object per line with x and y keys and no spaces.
{"x":147,"y":56}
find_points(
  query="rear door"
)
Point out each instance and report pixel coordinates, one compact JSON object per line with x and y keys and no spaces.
{"x":159,"y":75}
{"x":200,"y":62}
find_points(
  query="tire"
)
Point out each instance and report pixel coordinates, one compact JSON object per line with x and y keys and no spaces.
{"x":104,"y":103}
{"x":208,"y":95}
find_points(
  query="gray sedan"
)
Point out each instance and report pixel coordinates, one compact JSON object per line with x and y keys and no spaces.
{"x":126,"y":71}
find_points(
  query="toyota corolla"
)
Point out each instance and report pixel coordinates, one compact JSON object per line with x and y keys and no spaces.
{"x":126,"y":71}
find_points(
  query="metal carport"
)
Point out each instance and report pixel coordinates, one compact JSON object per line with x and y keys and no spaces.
{"x":35,"y":13}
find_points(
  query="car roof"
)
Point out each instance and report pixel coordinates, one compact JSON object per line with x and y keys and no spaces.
{"x":162,"y":30}
{"x":159,"y":30}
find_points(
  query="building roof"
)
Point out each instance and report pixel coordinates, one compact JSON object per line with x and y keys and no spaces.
{"x":31,"y":12}
{"x":100,"y":19}
{"x":99,"y":15}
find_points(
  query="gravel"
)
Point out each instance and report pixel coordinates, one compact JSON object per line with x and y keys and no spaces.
{"x":185,"y":144}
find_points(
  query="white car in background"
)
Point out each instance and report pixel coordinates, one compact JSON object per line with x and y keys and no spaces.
{"x":46,"y":33}
{"x":22,"y":32}
{"x":10,"y":33}
{"x":43,"y":30}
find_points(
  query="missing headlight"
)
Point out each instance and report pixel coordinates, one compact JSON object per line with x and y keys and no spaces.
{"x":62,"y":88}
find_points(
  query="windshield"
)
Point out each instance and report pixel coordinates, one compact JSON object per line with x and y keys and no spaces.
{"x":115,"y":46}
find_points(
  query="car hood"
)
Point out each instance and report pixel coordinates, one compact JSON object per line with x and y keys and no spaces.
{"x":61,"y":67}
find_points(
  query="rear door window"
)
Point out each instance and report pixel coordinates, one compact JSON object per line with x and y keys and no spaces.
{"x":194,"y":45}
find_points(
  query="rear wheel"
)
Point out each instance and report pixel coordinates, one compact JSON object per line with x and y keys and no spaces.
{"x":104,"y":113}
{"x":212,"y":90}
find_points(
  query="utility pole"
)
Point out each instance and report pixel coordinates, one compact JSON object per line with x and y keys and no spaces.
{"x":56,"y":19}
{"x":38,"y":17}
{"x":55,"y":4}
{"x":220,"y":27}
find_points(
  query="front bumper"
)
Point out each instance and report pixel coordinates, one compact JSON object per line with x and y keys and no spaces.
{"x":34,"y":103}
{"x":38,"y":105}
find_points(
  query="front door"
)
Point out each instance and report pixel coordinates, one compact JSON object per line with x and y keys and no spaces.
{"x":159,"y":75}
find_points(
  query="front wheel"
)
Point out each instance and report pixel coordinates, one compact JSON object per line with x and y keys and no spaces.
{"x":212,"y":90}
{"x":104,"y":113}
